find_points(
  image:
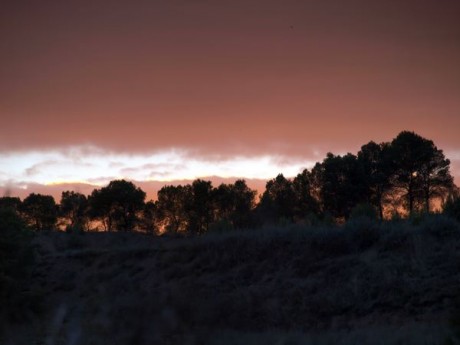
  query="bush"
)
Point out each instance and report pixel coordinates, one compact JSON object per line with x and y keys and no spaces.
{"x":395,"y":235}
{"x":16,"y":258}
{"x":454,"y":320}
{"x":74,"y":229}
{"x":75,"y":241}
{"x":364,"y":211}
{"x":452,"y":209}
{"x":440,"y":226}
{"x":330,"y":240}
{"x":220,"y":226}
{"x":364,"y":232}
{"x":418,"y":217}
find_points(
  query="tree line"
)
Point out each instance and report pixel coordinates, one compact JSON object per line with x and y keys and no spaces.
{"x":404,"y":176}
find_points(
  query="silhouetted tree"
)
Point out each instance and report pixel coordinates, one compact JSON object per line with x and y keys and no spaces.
{"x":9,"y":202}
{"x":305,"y":203}
{"x":234,"y":203}
{"x":74,"y":207}
{"x":149,"y":217}
{"x":435,"y":178}
{"x":422,"y":171}
{"x":341,"y":184}
{"x":100,"y":208}
{"x":377,"y":168}
{"x":278,"y":200}
{"x":244,"y":204}
{"x":172,"y":208}
{"x":40,"y":211}
{"x":224,"y":202}
{"x":316,"y":186}
{"x":117,"y":205}
{"x":200,"y":208}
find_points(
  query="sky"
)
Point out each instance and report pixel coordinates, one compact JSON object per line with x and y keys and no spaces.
{"x":163,"y":92}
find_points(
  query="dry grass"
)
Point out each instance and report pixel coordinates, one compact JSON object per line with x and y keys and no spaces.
{"x":365,"y":283}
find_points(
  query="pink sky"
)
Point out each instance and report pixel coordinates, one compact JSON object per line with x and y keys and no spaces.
{"x":224,"y":80}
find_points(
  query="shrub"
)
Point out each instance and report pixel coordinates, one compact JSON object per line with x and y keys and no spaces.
{"x":75,"y":229}
{"x":330,"y":240}
{"x":220,"y":226}
{"x":440,"y":226}
{"x":364,"y":211}
{"x":454,"y":320}
{"x":16,"y":257}
{"x":395,"y":235}
{"x":312,"y":219}
{"x":417,"y":218}
{"x":363,"y":232}
{"x":452,"y":209}
{"x":75,"y":241}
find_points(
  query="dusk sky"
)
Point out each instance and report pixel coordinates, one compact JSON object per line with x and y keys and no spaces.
{"x":165,"y":91}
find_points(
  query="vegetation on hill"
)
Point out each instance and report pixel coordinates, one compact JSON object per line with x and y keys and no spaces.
{"x":395,"y":282}
{"x":16,"y":260}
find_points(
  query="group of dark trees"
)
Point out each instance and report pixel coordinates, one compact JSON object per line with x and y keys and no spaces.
{"x":407,"y":175}
{"x":121,"y":206}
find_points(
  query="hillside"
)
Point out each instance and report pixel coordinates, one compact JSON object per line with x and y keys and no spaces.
{"x":366,"y":283}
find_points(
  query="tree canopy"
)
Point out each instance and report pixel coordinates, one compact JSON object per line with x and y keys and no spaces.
{"x":40,"y":211}
{"x":74,"y":207}
{"x":421,"y":171}
{"x":117,"y":205}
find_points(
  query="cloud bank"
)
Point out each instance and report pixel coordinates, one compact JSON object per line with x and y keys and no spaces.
{"x":100,"y":89}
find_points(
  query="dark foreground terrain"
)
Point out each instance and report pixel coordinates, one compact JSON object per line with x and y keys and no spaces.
{"x":364,"y":283}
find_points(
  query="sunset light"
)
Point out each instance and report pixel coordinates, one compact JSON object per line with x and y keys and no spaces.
{"x":225,"y":172}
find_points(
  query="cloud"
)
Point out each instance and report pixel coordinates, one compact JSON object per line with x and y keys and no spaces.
{"x":37,"y":168}
{"x":162,"y":174}
{"x":33,"y":170}
{"x":116,"y":165}
{"x":154,"y":169}
{"x":186,"y":90}
{"x":168,"y":165}
{"x":227,"y":81}
{"x":100,"y":180}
